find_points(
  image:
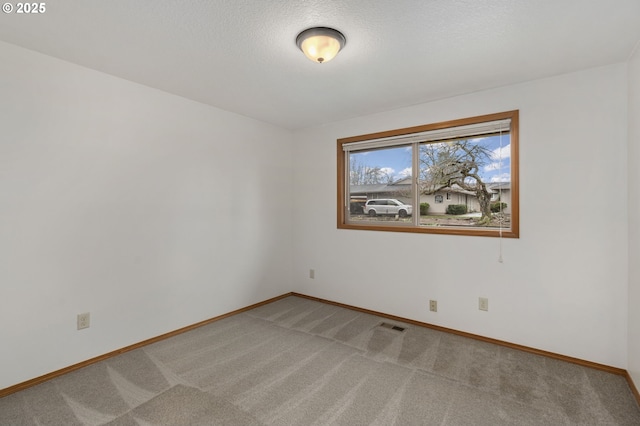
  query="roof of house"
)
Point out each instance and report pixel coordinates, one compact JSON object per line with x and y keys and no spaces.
{"x":402,"y":185}
{"x":376,"y":188}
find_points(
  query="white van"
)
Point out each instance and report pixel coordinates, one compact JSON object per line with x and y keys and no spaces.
{"x":389,"y":206}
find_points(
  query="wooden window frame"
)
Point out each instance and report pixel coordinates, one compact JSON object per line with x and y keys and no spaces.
{"x":512,"y":232}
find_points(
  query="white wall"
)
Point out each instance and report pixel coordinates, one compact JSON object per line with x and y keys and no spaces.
{"x":634,"y":219}
{"x":151,"y":211}
{"x":563,"y":284}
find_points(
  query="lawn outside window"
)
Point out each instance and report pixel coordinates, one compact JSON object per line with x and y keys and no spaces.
{"x":458,"y":177}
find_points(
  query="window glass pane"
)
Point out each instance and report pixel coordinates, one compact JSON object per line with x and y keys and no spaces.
{"x":380,"y":185}
{"x":458,"y":177}
{"x":466,"y":182}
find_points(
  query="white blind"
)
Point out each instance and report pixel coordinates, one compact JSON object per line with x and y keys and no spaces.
{"x":477,"y":129}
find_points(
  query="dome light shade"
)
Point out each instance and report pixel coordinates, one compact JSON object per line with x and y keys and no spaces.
{"x":320,"y":44}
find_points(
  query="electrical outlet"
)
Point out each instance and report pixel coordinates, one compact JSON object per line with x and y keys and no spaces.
{"x":433,"y":305}
{"x":483,"y":303}
{"x":84,"y":320}
{"x":312,"y":273}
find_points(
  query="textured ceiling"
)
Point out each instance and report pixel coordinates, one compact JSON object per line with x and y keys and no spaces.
{"x":240,"y":55}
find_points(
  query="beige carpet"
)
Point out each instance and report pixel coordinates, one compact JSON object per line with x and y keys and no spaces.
{"x":301,"y":362}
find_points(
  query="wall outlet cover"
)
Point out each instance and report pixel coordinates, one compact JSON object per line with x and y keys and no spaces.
{"x":84,"y":320}
{"x":483,"y":303}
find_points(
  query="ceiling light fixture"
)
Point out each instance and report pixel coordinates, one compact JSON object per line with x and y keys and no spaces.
{"x":320,"y":44}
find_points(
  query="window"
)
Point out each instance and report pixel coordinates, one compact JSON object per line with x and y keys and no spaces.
{"x":471,"y":162}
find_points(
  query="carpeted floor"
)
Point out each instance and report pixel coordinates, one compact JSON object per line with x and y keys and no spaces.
{"x":301,"y":362}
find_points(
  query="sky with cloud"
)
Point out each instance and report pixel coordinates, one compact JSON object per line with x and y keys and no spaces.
{"x":396,"y":161}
